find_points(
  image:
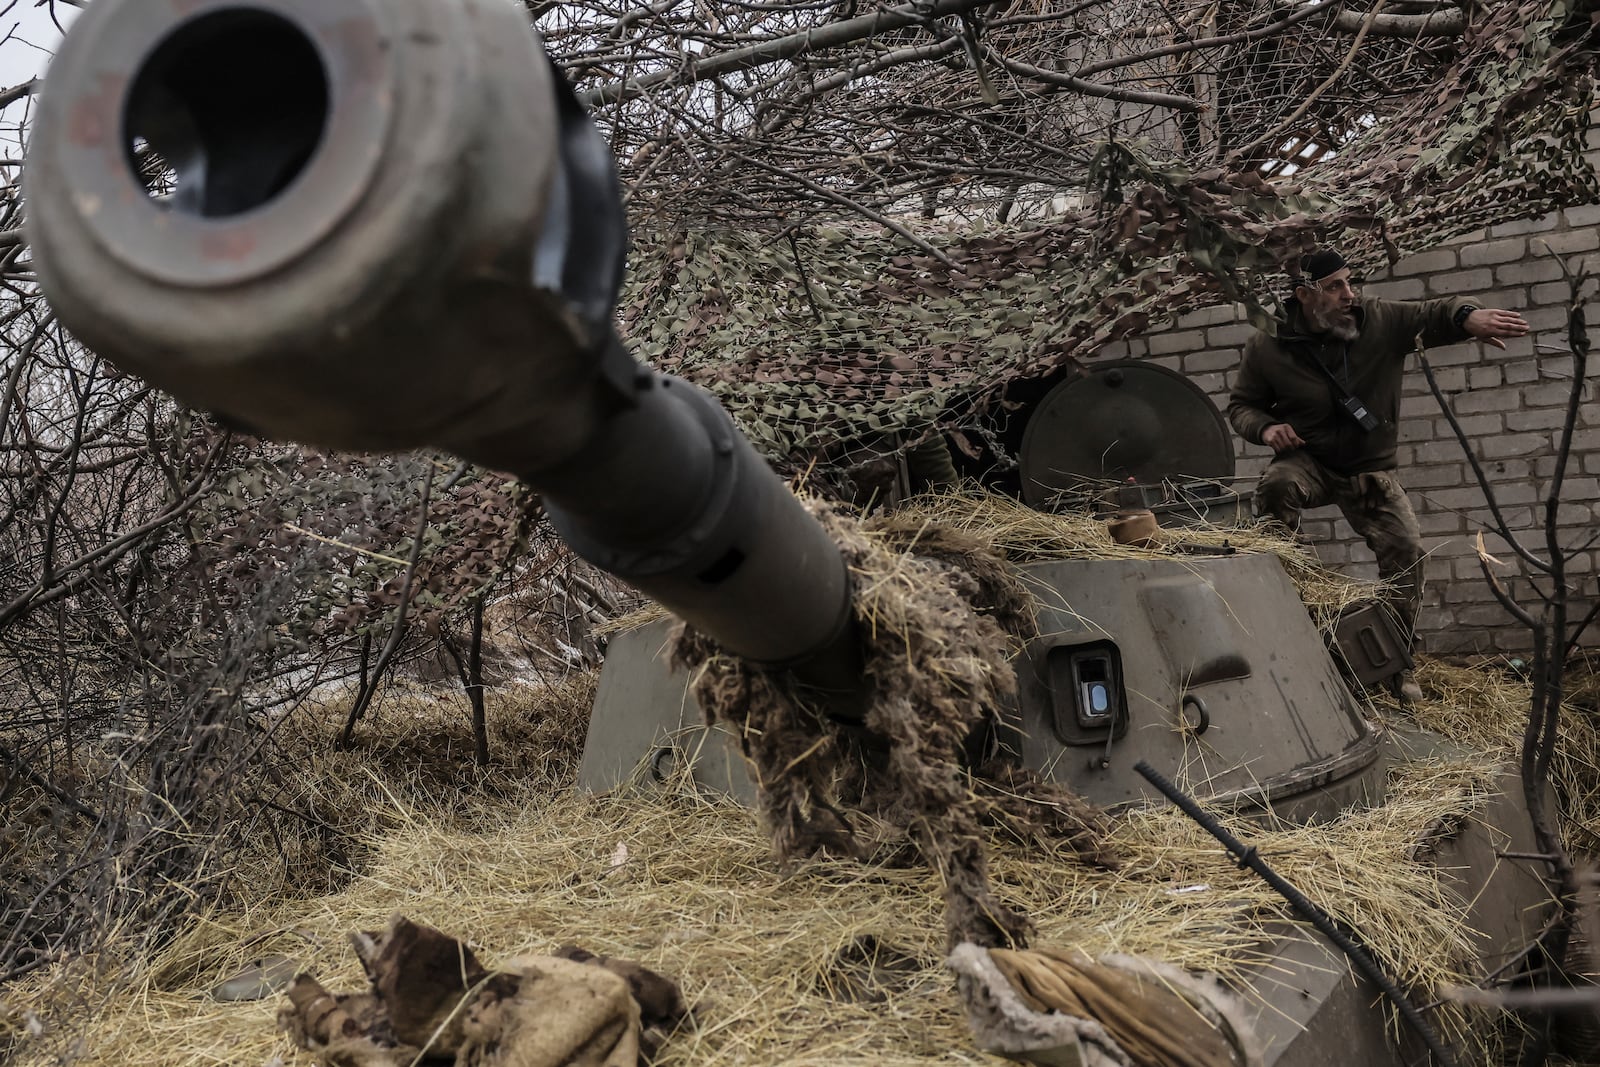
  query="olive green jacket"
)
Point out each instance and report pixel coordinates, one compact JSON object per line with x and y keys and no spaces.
{"x":1277,"y":382}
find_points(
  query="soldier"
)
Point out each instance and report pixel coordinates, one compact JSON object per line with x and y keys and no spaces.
{"x":1324,"y":394}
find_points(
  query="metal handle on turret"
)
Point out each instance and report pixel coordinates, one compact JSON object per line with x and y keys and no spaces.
{"x":386,"y":224}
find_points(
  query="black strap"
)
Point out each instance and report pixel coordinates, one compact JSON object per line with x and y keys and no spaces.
{"x":1339,"y":387}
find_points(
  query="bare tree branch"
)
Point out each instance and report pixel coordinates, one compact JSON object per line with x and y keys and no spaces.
{"x":1446,"y":22}
{"x":17,"y":92}
{"x":397,"y":629}
{"x":1109,"y":92}
{"x":832,"y":35}
{"x":1478,"y":472}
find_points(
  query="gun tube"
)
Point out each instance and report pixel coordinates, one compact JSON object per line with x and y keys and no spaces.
{"x":386,"y":224}
{"x":705,"y":527}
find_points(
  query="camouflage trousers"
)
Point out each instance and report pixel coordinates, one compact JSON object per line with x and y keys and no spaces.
{"x":1376,"y":507}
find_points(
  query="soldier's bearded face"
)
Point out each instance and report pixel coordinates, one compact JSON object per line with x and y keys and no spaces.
{"x":1329,"y":305}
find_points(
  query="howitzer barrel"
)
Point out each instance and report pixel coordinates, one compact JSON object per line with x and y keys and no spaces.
{"x":385,"y":224}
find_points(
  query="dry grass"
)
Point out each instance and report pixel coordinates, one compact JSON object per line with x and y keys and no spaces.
{"x":687,"y":885}
{"x":1486,"y":708}
{"x":516,"y":860}
{"x":1023,"y":535}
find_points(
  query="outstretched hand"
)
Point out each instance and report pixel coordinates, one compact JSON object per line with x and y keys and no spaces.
{"x":1492,"y":324}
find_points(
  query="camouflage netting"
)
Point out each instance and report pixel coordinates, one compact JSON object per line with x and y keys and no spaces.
{"x":819,"y":335}
{"x":357,"y":520}
{"x":938,"y":614}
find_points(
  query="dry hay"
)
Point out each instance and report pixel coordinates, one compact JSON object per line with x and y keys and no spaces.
{"x":938,"y":615}
{"x":1021,"y":534}
{"x":834,"y":961}
{"x":779,"y":965}
{"x":631,"y":620}
{"x":413,"y":753}
{"x":1486,"y":708}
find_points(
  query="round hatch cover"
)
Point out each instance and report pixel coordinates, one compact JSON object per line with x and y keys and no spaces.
{"x":1121,"y":422}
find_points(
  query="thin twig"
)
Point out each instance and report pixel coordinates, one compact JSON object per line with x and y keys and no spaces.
{"x":1477,"y":468}
{"x":303,"y":532}
{"x":398,"y":630}
{"x":1316,"y":94}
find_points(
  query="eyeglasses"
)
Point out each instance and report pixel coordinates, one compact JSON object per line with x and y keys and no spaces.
{"x":1337,"y":288}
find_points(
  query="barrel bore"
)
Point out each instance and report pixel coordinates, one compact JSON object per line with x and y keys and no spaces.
{"x":226,"y":113}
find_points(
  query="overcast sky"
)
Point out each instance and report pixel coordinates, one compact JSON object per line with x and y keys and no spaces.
{"x":27,"y":38}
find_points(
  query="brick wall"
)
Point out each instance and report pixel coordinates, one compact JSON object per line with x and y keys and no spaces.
{"x":1510,"y":403}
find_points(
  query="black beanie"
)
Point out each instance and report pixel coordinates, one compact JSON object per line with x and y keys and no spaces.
{"x":1317,"y":265}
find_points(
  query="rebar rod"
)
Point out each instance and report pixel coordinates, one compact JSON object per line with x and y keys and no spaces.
{"x":1359,"y":956}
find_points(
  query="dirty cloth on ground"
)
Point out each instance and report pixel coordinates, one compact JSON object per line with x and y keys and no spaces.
{"x":1116,"y":1010}
{"x":431,"y":1001}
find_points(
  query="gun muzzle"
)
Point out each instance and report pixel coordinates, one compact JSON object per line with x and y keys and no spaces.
{"x":385,"y":224}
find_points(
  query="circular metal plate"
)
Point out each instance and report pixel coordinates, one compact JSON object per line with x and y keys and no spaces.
{"x":1127,"y":421}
